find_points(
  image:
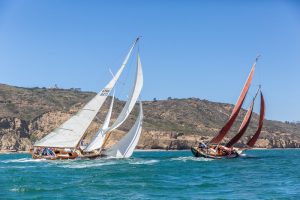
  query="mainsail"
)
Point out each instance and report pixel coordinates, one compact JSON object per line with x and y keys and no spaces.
{"x":260,"y":123}
{"x":69,"y":134}
{"x":100,"y":135}
{"x":218,"y":138}
{"x":124,"y":148}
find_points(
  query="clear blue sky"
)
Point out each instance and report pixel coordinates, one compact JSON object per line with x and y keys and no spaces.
{"x":201,"y":49}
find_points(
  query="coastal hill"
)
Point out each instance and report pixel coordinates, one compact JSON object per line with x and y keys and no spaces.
{"x":27,"y":114}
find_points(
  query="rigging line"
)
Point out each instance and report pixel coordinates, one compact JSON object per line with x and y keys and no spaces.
{"x":259,"y":75}
{"x":127,"y":77}
{"x":124,"y":81}
{"x":259,"y":70}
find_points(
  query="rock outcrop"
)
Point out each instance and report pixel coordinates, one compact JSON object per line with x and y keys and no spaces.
{"x":14,"y":134}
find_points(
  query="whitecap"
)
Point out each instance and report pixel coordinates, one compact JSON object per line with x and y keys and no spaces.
{"x":191,"y":158}
{"x":86,"y":165}
{"x":18,"y":167}
{"x":22,"y":160}
{"x":144,"y":162}
{"x":17,"y":190}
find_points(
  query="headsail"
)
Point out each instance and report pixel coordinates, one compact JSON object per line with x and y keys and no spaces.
{"x":124,"y":148}
{"x":135,"y":93}
{"x":108,"y":116}
{"x":218,"y":138}
{"x":97,"y":142}
{"x":252,"y":141}
{"x":136,"y":90}
{"x":243,"y":126}
{"x":69,"y":134}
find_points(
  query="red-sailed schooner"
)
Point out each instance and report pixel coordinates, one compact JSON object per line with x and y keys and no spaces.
{"x":217,"y":151}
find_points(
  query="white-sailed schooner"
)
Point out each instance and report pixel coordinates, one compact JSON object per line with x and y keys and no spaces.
{"x":64,"y":141}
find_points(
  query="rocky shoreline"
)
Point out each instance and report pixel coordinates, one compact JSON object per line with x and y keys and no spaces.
{"x":18,"y":135}
{"x":149,"y":150}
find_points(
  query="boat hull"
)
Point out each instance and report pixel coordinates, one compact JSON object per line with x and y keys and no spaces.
{"x":197,"y":152}
{"x":77,"y":154}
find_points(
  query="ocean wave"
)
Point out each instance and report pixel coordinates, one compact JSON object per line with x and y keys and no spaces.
{"x":144,"y":162}
{"x":86,"y":164}
{"x":23,"y":160}
{"x":191,"y":158}
{"x":17,"y":190}
{"x":17,"y":167}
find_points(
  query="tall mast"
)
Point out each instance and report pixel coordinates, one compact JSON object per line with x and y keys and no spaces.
{"x":218,"y":138}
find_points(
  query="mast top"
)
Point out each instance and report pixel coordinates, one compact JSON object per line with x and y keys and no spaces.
{"x":259,"y":88}
{"x":257,"y":57}
{"x":137,"y":39}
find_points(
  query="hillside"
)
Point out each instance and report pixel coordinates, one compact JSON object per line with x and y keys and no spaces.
{"x":27,"y":114}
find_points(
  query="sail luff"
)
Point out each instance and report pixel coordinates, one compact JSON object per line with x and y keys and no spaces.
{"x":243,"y":126}
{"x":69,"y":134}
{"x":253,"y":140}
{"x":218,"y":138}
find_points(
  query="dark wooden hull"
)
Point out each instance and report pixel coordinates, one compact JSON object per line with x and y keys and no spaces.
{"x":198,"y":153}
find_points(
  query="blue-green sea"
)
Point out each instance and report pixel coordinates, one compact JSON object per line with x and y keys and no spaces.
{"x":260,"y":174}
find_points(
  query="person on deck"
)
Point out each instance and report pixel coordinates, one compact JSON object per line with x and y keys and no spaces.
{"x":202,"y":145}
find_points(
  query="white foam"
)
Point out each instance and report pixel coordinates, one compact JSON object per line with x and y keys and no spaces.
{"x":144,"y":162}
{"x":19,"y":167}
{"x":191,"y":158}
{"x":22,"y":160}
{"x":17,"y":190}
{"x":87,"y":164}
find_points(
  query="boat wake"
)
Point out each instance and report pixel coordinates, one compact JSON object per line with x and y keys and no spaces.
{"x":191,"y":158}
{"x":17,"y":189}
{"x":22,"y":160}
{"x":87,"y":164}
{"x":143,"y":162}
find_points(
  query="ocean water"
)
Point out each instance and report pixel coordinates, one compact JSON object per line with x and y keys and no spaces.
{"x":260,"y":174}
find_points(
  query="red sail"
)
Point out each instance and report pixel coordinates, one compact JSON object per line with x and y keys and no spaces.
{"x":243,"y":126}
{"x":217,"y":139}
{"x":252,"y":141}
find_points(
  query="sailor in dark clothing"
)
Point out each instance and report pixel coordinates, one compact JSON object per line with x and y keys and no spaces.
{"x":47,"y":152}
{"x":202,"y":145}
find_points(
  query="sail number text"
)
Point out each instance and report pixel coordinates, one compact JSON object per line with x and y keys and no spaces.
{"x":105,"y":92}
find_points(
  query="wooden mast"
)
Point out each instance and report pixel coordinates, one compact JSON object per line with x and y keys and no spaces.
{"x":218,"y":138}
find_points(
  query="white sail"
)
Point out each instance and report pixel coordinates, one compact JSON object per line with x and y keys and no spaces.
{"x":124,"y":148}
{"x":108,"y":116}
{"x":97,"y":142}
{"x":135,"y":93}
{"x":70,"y":133}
